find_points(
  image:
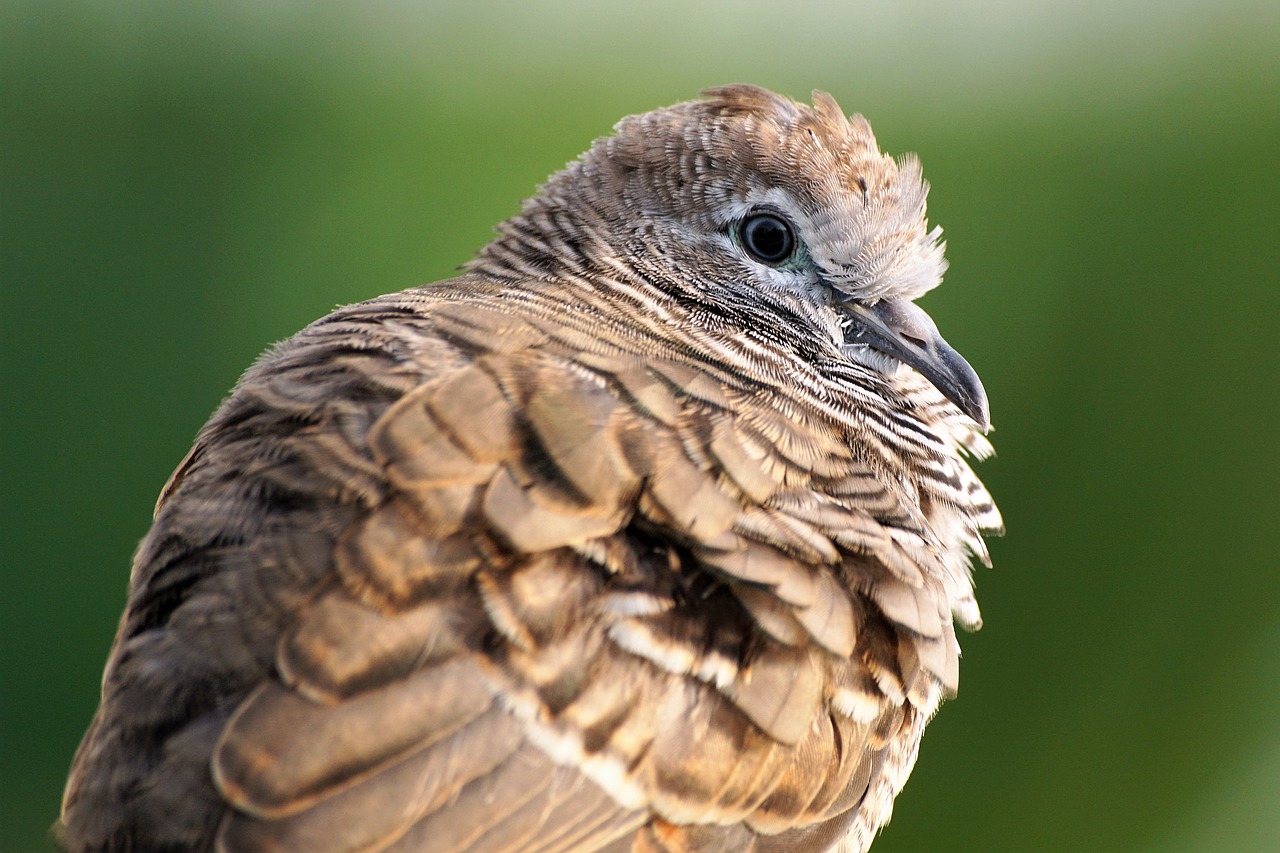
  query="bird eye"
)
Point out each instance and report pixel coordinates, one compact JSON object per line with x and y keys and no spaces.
{"x":767,"y":238}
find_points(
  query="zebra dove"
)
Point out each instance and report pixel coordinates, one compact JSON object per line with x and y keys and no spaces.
{"x":648,"y":532}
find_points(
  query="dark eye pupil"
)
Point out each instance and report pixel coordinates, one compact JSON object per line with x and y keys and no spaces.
{"x":767,"y":238}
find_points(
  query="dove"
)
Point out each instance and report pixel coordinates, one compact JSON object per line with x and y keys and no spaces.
{"x":650,"y":531}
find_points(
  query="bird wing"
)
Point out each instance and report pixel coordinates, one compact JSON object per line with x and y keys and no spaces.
{"x":445,"y":575}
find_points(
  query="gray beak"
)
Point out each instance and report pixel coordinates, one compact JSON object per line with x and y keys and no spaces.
{"x":903,"y":330}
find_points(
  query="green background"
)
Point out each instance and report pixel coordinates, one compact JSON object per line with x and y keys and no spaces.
{"x":182,"y":184}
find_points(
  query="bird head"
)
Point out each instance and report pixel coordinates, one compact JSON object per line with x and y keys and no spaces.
{"x":747,"y":194}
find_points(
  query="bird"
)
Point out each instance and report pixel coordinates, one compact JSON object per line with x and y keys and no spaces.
{"x":649,"y":531}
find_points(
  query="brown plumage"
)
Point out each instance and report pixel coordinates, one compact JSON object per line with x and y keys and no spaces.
{"x":647,"y":533}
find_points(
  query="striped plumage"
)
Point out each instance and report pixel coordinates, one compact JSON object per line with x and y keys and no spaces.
{"x":623,"y":540}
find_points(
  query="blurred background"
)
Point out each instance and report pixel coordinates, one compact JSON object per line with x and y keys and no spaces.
{"x":183,"y":184}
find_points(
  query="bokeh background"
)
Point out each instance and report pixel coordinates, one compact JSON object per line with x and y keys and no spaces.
{"x":182,"y":184}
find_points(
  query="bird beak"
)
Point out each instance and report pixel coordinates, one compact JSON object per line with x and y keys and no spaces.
{"x":903,"y":330}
